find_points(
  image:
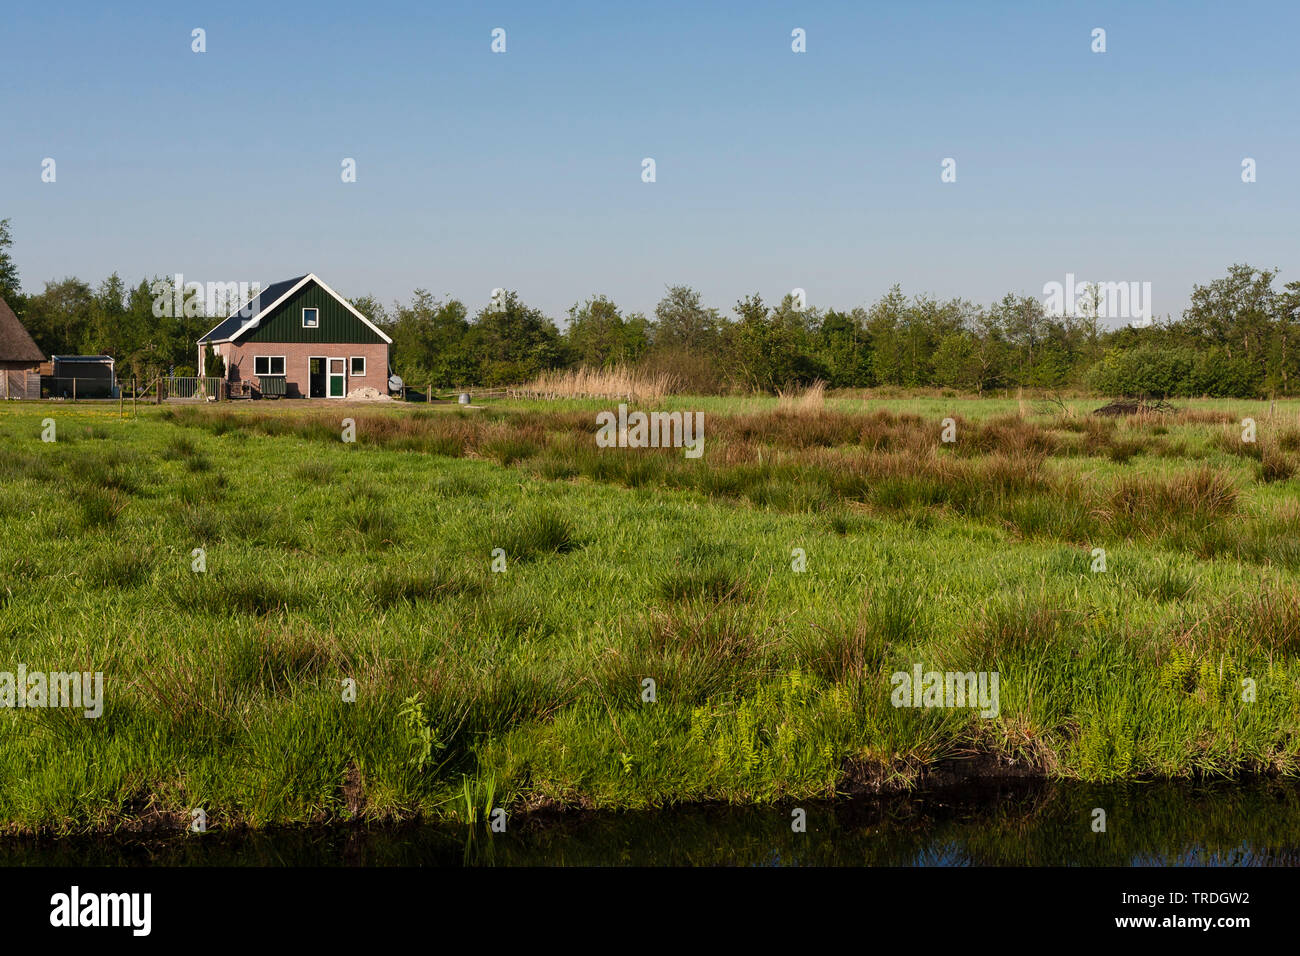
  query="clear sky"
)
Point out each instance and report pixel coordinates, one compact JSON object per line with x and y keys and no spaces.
{"x":775,"y":169}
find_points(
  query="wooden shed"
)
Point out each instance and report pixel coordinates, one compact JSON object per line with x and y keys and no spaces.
{"x":93,"y":374}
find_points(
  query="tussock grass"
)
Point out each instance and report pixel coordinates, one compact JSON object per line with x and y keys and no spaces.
{"x":315,"y":472}
{"x":99,"y":508}
{"x":1275,"y":466}
{"x":1166,"y":581}
{"x":276,"y":661}
{"x":226,"y":595}
{"x":534,"y":535}
{"x":854,"y":647}
{"x":1268,"y":620}
{"x":394,"y":586}
{"x":1015,"y":624}
{"x":369,"y":523}
{"x":118,"y":569}
{"x":704,"y":570}
{"x":692,"y":649}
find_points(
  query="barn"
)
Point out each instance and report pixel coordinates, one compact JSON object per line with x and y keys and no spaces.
{"x":20,"y":358}
{"x":301,"y":339}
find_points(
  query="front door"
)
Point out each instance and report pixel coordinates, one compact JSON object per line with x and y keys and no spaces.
{"x":338,"y":378}
{"x":316,"y":378}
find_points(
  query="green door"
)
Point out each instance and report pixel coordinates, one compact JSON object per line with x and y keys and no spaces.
{"x":337,"y":378}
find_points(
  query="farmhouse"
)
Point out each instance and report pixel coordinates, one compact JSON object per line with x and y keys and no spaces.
{"x":301,"y":339}
{"x":19,"y":355}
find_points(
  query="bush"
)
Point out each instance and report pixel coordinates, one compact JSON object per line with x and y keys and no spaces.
{"x":1147,"y":370}
{"x":1220,"y":375}
{"x":1158,"y":371}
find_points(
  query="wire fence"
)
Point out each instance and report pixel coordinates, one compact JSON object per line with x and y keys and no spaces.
{"x":75,"y":387}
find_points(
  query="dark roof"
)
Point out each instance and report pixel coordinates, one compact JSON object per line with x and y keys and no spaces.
{"x":16,"y":344}
{"x":82,"y":358}
{"x":259,"y":302}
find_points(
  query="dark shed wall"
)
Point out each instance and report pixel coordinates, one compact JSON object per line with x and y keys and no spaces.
{"x":95,"y":370}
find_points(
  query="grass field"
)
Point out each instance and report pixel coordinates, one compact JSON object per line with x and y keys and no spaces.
{"x":371,"y":562}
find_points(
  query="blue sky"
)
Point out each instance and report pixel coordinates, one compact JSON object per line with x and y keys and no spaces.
{"x":775,"y":170}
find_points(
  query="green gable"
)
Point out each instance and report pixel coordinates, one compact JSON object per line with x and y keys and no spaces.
{"x":337,"y":324}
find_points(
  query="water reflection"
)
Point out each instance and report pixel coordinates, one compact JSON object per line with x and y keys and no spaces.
{"x":1159,"y":824}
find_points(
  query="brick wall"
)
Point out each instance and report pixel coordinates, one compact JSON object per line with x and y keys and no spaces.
{"x":239,"y":358}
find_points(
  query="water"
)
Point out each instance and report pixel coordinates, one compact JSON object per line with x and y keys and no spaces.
{"x":1254,"y":823}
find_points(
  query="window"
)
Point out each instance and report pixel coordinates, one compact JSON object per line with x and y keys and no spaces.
{"x":268,"y":365}
{"x":358,"y":365}
{"x":310,"y":318}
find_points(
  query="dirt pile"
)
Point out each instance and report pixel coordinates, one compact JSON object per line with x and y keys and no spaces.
{"x":367,"y":394}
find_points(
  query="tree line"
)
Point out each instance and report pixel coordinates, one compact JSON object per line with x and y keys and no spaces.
{"x":1237,"y":338}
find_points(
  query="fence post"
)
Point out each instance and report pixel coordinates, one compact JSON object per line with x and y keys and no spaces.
{"x":74,"y":390}
{"x":133,"y":396}
{"x":157,"y":399}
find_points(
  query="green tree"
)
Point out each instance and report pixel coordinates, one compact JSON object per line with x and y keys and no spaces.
{"x":685,"y":342}
{"x":511,"y":342}
{"x":885,"y":323}
{"x":844,"y":349}
{"x":10,"y":286}
{"x":681,"y":319}
{"x":429,"y":341}
{"x":58,"y":316}
{"x":598,"y":335}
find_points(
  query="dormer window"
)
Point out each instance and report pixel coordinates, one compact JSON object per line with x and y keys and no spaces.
{"x":310,"y":318}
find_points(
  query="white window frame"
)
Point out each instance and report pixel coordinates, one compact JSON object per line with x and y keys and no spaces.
{"x":352,"y":368}
{"x":305,"y":310}
{"x":284,"y":364}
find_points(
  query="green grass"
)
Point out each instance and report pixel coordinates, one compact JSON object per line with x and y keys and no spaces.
{"x":372,"y":563}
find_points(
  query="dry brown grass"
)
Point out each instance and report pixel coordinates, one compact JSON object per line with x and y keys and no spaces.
{"x":618,"y":382}
{"x":803,"y":399}
{"x":1202,"y":416}
{"x":822,"y":428}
